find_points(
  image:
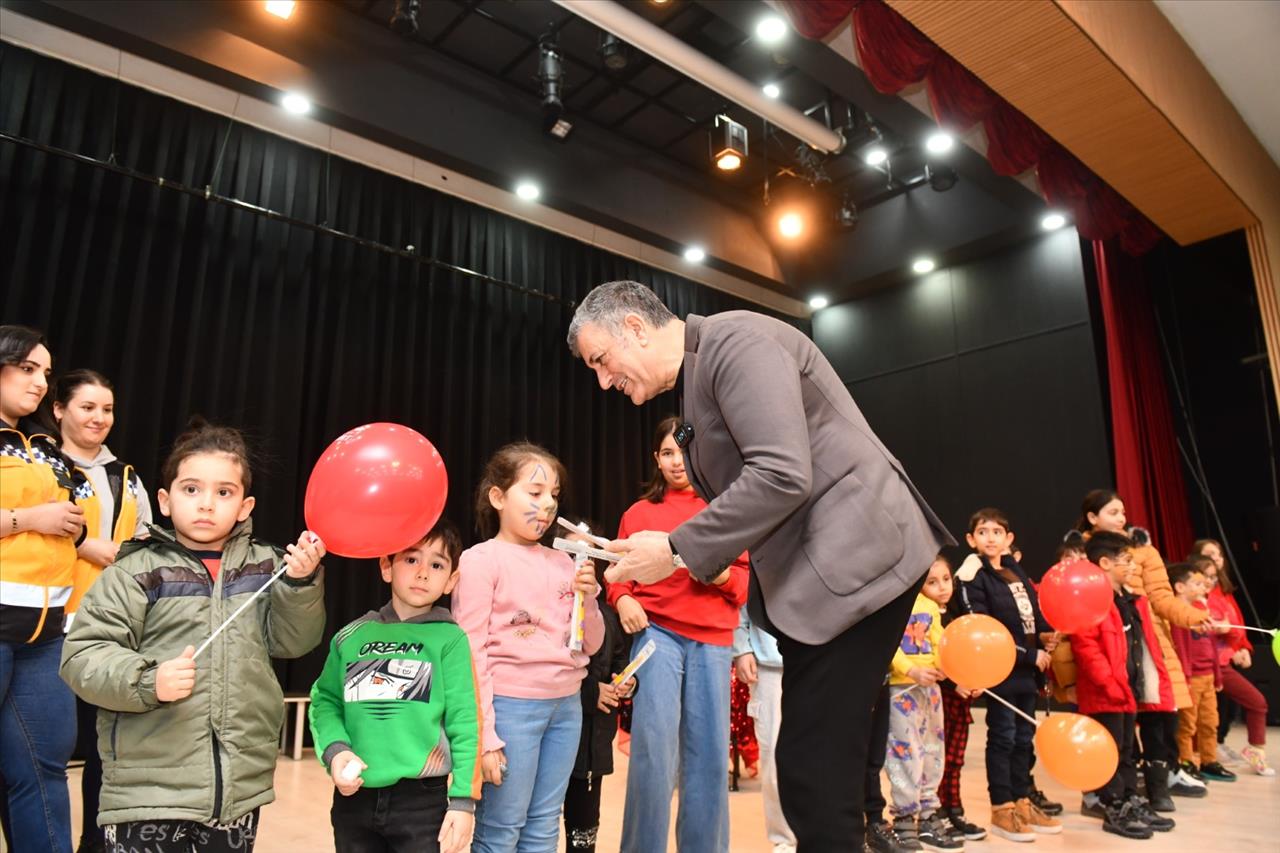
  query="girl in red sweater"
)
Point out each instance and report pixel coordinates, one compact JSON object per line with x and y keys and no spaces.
{"x":680,"y":720}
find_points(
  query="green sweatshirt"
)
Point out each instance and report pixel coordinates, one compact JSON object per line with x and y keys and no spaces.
{"x":402,"y":697}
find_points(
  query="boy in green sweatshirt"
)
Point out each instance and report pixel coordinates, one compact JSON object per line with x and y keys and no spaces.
{"x":395,"y":713}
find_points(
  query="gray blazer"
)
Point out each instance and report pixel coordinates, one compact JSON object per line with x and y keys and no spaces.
{"x":792,"y":473}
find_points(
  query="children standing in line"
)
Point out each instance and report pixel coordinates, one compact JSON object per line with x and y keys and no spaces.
{"x":394,"y":713}
{"x":1118,"y":667}
{"x":515,"y":601}
{"x":914,"y":758}
{"x":999,"y":588}
{"x":1198,"y":654}
{"x":189,"y":747}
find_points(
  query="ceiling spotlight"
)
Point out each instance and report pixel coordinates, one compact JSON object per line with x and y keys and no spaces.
{"x":730,"y":144}
{"x":561,"y":129}
{"x":790,"y":225}
{"x":613,"y":52}
{"x":296,"y":103}
{"x":1053,"y":221}
{"x":404,"y":17}
{"x":818,"y":302}
{"x":771,"y":29}
{"x":771,"y":90}
{"x":941,"y":178}
{"x":280,"y":8}
{"x":528,"y":190}
{"x":695,"y":254}
{"x":551,"y":78}
{"x":875,"y":156}
{"x":939,"y":142}
{"x":847,"y":215}
{"x":923,"y":265}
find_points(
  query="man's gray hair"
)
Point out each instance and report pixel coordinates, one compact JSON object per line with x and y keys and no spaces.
{"x":608,"y":304}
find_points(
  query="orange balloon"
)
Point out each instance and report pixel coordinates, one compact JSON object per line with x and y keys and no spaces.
{"x":977,"y":652}
{"x":1077,"y":751}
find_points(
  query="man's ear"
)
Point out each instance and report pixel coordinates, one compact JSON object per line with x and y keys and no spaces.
{"x":636,"y":325}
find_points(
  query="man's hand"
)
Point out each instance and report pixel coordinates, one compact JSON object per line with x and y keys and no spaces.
{"x":455,"y":831}
{"x":342,"y":778}
{"x":647,"y":558}
{"x":744,"y":669}
{"x":492,"y":765}
{"x":176,"y":678}
{"x":632,"y":614}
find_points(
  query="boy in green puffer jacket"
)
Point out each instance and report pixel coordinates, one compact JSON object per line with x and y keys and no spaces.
{"x":395,"y":713}
{"x":189,"y":746}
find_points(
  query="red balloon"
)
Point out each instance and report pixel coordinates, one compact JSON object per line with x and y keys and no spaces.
{"x":1076,"y":596}
{"x":376,"y":490}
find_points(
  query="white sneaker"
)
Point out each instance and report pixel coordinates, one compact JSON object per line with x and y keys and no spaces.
{"x":1185,"y":778}
{"x":784,"y":847}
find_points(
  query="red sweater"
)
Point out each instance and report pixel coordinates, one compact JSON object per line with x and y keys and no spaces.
{"x":702,"y":612}
{"x":1224,"y":608}
{"x":1198,"y":653}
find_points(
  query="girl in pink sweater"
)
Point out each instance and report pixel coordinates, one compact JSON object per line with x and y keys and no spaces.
{"x":515,"y":601}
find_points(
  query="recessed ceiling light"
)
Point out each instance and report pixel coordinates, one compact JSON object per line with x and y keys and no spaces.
{"x":875,"y":156}
{"x":771,"y":29}
{"x":296,"y":103}
{"x":528,"y":190}
{"x":923,"y":265}
{"x":280,"y":8}
{"x":818,"y":302}
{"x":771,"y":90}
{"x":695,"y":254}
{"x":1053,"y":222}
{"x":940,"y":142}
{"x":790,"y":225}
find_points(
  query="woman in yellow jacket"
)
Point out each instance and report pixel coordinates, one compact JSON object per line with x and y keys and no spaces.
{"x":117,"y":510}
{"x":41,"y":525}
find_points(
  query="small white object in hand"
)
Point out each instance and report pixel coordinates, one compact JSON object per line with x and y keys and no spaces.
{"x":351,"y":772}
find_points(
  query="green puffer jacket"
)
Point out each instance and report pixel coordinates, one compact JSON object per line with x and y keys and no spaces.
{"x":212,"y":755}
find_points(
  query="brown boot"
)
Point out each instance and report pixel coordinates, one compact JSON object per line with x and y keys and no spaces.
{"x":1006,"y":824}
{"x":1034,"y":819}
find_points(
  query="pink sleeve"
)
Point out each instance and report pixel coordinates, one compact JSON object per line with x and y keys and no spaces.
{"x":472,"y":609}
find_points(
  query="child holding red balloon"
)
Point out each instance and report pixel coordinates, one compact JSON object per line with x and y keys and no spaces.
{"x":394,"y":713}
{"x":189,"y":746}
{"x":1119,"y":666}
{"x":515,"y":600}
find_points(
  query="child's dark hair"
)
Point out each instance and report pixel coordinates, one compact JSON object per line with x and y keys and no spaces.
{"x":945,"y":560}
{"x":1106,"y":544}
{"x":65,"y":387}
{"x":447,"y":532}
{"x":1180,"y":572}
{"x":656,"y":489}
{"x":988,"y":513}
{"x":1200,"y":563}
{"x":501,"y":471}
{"x":203,"y":437}
{"x":1073,"y":541}
{"x":1093,"y":502}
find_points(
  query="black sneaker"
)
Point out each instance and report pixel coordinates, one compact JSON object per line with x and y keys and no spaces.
{"x":1091,"y":806}
{"x":1215,"y":771}
{"x":1043,"y":803}
{"x":882,"y":839}
{"x":935,"y":834}
{"x":1120,"y":820}
{"x":959,"y":826}
{"x":1142,"y":811}
{"x":904,"y":829}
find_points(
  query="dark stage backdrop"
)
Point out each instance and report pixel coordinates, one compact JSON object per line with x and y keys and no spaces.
{"x":984,"y":377}
{"x":190,"y":306}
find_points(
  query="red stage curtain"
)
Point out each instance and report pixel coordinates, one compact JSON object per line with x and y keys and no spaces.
{"x":894,"y":55}
{"x":1148,"y":463}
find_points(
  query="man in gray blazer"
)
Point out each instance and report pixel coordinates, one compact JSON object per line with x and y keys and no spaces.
{"x":838,"y":536}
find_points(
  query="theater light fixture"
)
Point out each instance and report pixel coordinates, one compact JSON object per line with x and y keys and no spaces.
{"x":875,"y":156}
{"x":771,"y":29}
{"x":847,"y":215}
{"x":818,"y":302}
{"x":920,"y":266}
{"x":528,"y":190}
{"x":939,"y":142}
{"x":771,"y":90}
{"x":551,"y":80}
{"x":695,"y":254}
{"x":280,"y":8}
{"x":790,"y":225}
{"x":941,"y":178}
{"x":404,"y":17}
{"x":730,"y":144}
{"x":296,"y":103}
{"x":1053,"y":221}
{"x":612,"y":52}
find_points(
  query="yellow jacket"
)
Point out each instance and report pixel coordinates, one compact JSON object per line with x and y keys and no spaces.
{"x":919,"y":643}
{"x":126,"y":522}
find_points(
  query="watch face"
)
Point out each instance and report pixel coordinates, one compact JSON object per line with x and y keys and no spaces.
{"x":683,"y":435}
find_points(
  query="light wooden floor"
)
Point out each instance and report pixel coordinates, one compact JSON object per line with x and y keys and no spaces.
{"x":1243,"y":815}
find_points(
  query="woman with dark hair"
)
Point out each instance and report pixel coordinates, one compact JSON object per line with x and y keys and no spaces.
{"x":40,"y":526}
{"x":680,"y":721}
{"x":118,"y":510}
{"x":1235,"y":653}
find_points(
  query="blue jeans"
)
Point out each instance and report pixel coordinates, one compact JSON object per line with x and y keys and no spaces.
{"x":37,"y":735}
{"x":522,"y":815}
{"x":679,"y":727}
{"x":1009,"y":749}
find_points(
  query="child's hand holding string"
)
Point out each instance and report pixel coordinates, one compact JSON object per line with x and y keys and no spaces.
{"x":176,"y":678}
{"x":304,"y":556}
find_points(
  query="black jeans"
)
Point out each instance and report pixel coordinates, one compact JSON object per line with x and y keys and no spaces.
{"x":582,"y":813}
{"x":1158,"y":734}
{"x":182,"y":836}
{"x":877,"y":743}
{"x":1009,"y":747}
{"x":91,"y":781}
{"x":399,"y":818}
{"x":1123,"y":784}
{"x":828,"y":692}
